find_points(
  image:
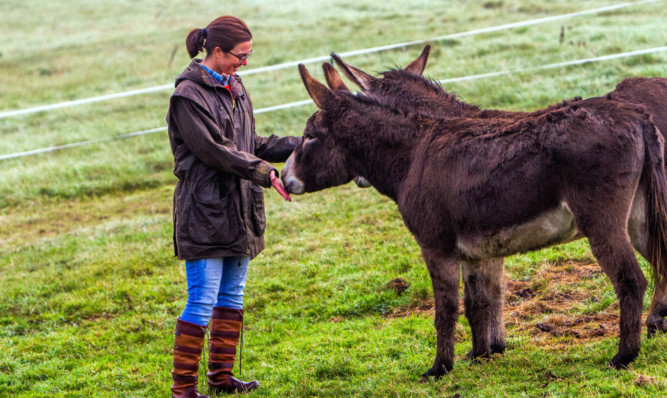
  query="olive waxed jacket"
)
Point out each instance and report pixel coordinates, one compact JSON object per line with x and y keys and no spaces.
{"x":221,"y":165}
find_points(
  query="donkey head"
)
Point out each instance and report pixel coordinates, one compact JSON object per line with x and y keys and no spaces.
{"x":319,"y":162}
{"x":336,"y":84}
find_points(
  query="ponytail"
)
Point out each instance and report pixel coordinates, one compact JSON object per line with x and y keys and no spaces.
{"x":195,"y":42}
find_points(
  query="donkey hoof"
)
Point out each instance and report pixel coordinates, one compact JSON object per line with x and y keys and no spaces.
{"x":428,"y":374}
{"x":435,"y":373}
{"x":471,"y":356}
{"x":655,"y":325}
{"x":497,"y":348}
{"x":621,"y":361}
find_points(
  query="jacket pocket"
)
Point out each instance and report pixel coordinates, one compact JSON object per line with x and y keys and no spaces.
{"x":213,"y":223}
{"x":258,"y":216}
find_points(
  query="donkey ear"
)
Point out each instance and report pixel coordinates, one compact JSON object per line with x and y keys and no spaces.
{"x":317,"y":91}
{"x":333,"y":78}
{"x":418,"y":65}
{"x":359,"y":77}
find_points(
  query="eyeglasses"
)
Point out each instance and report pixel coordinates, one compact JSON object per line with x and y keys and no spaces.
{"x":241,"y":57}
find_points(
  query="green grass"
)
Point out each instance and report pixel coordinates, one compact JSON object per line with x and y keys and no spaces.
{"x":90,"y":289}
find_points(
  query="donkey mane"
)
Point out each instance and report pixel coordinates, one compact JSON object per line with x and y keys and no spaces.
{"x":423,"y":90}
{"x":395,"y":79}
{"x":426,"y":82}
{"x":381,"y":111}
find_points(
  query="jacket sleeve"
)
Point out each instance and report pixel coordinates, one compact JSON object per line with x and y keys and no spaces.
{"x":274,"y":148}
{"x":197,"y":130}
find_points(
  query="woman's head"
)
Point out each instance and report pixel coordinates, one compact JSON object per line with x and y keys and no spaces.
{"x":227,"y":41}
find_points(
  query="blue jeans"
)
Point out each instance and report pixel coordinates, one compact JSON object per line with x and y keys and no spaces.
{"x":214,"y":282}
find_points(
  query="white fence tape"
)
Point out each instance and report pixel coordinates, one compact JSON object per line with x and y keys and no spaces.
{"x":306,"y":102}
{"x":82,"y":143}
{"x":83,"y":101}
{"x":558,"y":65}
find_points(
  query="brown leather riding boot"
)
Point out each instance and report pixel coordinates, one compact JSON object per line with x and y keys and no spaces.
{"x":188,"y":343}
{"x":226,"y":326}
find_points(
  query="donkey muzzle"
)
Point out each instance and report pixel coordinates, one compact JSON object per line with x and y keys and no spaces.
{"x":292,"y":184}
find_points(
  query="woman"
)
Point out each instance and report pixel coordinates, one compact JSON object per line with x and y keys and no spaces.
{"x":221,"y":165}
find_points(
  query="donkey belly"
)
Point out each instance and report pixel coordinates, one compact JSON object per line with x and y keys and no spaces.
{"x":549,"y":228}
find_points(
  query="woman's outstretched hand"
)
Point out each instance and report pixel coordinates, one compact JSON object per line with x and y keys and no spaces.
{"x":275,"y":181}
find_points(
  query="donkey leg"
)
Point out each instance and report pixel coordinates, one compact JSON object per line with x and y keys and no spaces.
{"x":444,"y":271}
{"x":497,"y":294}
{"x":615,"y":255}
{"x":484,"y":301}
{"x":656,"y":321}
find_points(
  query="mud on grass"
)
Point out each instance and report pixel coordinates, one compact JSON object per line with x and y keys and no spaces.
{"x":553,"y":309}
{"x":555,"y":312}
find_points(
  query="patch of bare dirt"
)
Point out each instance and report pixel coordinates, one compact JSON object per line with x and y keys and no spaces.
{"x":425,"y":308}
{"x":547,"y":307}
{"x":399,"y":285}
{"x":549,"y":313}
{"x":643,"y":380}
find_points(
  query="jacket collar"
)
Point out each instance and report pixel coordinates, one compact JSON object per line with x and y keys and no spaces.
{"x":197,"y":74}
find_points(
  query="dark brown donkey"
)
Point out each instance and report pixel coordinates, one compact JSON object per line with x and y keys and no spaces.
{"x":407,"y":88}
{"x":472,"y":189}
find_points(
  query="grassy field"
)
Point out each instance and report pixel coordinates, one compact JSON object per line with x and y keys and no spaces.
{"x":90,"y":289}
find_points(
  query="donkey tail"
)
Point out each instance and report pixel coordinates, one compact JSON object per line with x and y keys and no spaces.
{"x":656,"y":199}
